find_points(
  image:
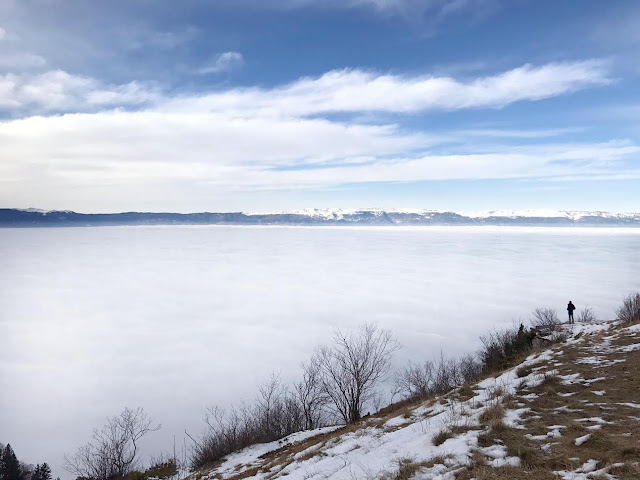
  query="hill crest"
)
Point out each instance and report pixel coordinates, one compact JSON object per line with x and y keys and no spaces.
{"x":568,"y":412}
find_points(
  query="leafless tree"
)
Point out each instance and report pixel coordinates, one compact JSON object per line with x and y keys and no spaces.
{"x":310,"y":393}
{"x":415,"y":380}
{"x":545,"y":319}
{"x":277,"y":410}
{"x":586,"y":315}
{"x":353,"y":366}
{"x":269,"y":406}
{"x":470,"y":368}
{"x":629,"y":312}
{"x":446,"y":375}
{"x":112,"y":451}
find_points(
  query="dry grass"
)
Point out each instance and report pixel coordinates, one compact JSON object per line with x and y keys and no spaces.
{"x":483,"y":472}
{"x":572,"y":405}
{"x":526,"y":370}
{"x":437,"y":460}
{"x":441,"y":437}
{"x":407,"y":468}
{"x":575,"y":406}
{"x":465,"y":392}
{"x":492,"y":415}
{"x":626,"y":471}
{"x":450,"y":432}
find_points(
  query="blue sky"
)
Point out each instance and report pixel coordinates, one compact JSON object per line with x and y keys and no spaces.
{"x":284,"y":104}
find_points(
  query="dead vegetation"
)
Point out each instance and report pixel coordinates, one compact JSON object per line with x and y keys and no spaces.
{"x":584,"y":411}
{"x":578,"y":405}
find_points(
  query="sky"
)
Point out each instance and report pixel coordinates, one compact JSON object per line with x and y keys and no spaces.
{"x":270,"y":105}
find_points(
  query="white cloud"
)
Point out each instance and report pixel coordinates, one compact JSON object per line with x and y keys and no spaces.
{"x":95,"y":159}
{"x":360,"y":91}
{"x":57,"y":90}
{"x":3,"y":33}
{"x":351,"y":91}
{"x":244,"y":139}
{"x":132,"y":93}
{"x":224,"y":62}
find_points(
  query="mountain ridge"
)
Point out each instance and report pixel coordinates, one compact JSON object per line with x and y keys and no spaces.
{"x":370,"y":216}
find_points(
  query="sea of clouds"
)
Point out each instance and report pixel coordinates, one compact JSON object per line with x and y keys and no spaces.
{"x":174,"y":319}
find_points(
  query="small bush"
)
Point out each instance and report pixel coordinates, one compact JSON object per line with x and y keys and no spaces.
{"x":466,"y":392}
{"x":135,"y":475}
{"x":524,"y":371}
{"x":545,"y":319}
{"x":407,"y":468}
{"x":587,"y":315}
{"x":629,"y":312}
{"x":162,"y":470}
{"x":441,"y":437}
{"x":437,"y":460}
{"x":492,"y":415}
{"x":499,"y":348}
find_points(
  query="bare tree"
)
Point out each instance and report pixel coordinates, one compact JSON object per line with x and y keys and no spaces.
{"x":587,"y":315}
{"x":269,"y":406}
{"x":414,"y":380}
{"x":446,"y":375}
{"x":112,"y":451}
{"x":546,"y":319}
{"x":470,"y":368}
{"x":310,"y":393}
{"x":629,"y":312}
{"x":277,"y":410}
{"x":353,"y":366}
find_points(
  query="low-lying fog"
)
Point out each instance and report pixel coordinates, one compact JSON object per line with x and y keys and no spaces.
{"x":177,"y":318}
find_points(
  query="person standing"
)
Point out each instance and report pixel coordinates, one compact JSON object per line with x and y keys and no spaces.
{"x":570,"y":308}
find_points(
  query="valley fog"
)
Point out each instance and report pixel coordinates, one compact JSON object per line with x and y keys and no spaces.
{"x":174,"y":319}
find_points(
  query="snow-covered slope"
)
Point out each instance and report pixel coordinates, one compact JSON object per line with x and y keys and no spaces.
{"x":453,"y":435}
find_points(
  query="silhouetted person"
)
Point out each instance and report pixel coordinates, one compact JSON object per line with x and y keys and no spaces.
{"x":570,"y":308}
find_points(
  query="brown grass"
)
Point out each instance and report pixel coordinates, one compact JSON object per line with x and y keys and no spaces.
{"x":436,"y":460}
{"x":406,"y":469}
{"x":450,"y":432}
{"x":492,"y":415}
{"x":465,"y":392}
{"x":526,"y":370}
{"x":558,"y":403}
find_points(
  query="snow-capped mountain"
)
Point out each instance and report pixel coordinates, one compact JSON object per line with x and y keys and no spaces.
{"x":370,"y":216}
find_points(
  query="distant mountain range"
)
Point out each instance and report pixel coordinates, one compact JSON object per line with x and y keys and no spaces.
{"x":56,"y":218}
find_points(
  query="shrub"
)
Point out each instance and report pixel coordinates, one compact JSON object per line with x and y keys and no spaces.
{"x":629,"y":312}
{"x":415,"y":381}
{"x":545,"y":319}
{"x":441,"y":437}
{"x":587,"y":315}
{"x":275,"y":414}
{"x":162,"y":469}
{"x":499,"y":347}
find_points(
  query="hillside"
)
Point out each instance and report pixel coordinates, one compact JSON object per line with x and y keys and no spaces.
{"x":570,"y":412}
{"x":55,"y":218}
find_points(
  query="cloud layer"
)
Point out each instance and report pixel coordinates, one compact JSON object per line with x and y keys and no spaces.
{"x":130,"y":137}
